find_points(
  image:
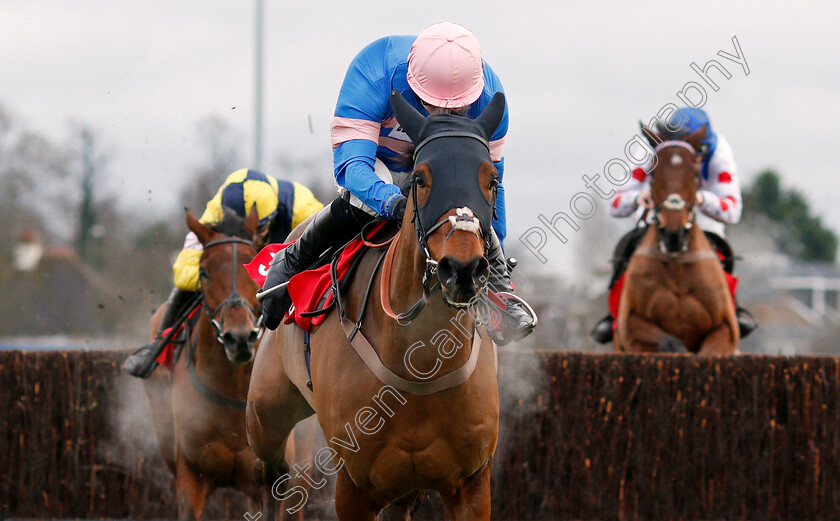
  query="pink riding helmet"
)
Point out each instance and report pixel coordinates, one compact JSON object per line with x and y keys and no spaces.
{"x":444,"y":66}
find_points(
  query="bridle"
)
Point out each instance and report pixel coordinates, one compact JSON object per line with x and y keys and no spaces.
{"x":674,"y":202}
{"x":464,"y":219}
{"x":235,"y":300}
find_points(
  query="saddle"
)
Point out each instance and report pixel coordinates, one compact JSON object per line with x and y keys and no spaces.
{"x":630,"y":242}
{"x":313,"y":292}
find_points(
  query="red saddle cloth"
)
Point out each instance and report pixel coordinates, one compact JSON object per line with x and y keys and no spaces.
{"x":309,"y":290}
{"x":166,"y":358}
{"x":614,"y":296}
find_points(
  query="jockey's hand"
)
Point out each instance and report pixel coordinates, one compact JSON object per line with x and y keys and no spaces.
{"x":698,"y":198}
{"x":644,"y":198}
{"x":396,"y":210}
{"x":275,"y":305}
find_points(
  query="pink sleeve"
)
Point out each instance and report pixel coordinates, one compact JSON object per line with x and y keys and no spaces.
{"x":348,"y":129}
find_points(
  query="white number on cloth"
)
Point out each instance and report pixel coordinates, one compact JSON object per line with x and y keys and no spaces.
{"x":263,"y":269}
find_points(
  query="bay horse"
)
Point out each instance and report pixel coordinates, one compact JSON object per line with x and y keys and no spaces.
{"x":407,"y":402}
{"x":675,"y":296}
{"x":198,"y":407}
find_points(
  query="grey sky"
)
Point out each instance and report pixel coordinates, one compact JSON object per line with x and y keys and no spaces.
{"x":578,"y":77}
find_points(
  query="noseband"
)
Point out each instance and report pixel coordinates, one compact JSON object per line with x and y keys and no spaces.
{"x":674,"y":202}
{"x":235,"y":300}
{"x":464,"y":219}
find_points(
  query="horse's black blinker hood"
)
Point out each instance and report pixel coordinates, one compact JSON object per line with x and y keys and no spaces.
{"x":454,"y":147}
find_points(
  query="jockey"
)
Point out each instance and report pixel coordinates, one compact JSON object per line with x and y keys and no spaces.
{"x":281,"y":205}
{"x":718,"y":198}
{"x":438,"y":71}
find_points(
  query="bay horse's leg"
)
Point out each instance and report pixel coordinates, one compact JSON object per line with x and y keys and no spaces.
{"x":158,"y":388}
{"x":274,"y":407}
{"x":267,"y":473}
{"x":351,"y":502}
{"x":720,"y":342}
{"x":192,"y":490}
{"x":644,"y":336}
{"x":404,"y":508}
{"x":299,"y":451}
{"x":472,"y":501}
{"x":243,"y":474}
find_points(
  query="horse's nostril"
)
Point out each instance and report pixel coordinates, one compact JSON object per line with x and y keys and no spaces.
{"x":252,"y":336}
{"x":452,"y":272}
{"x":447,"y":271}
{"x":481,"y":273}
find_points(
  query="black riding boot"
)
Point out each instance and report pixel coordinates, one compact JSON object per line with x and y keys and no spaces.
{"x":519,"y":323}
{"x":333,"y":225}
{"x":746,"y":321}
{"x":142,"y":362}
{"x":603,"y":330}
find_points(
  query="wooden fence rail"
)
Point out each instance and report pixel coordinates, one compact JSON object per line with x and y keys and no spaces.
{"x":583,"y":437}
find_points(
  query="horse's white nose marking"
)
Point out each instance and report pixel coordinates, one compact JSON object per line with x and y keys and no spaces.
{"x":676,"y":160}
{"x":465,"y":219}
{"x":674,"y":202}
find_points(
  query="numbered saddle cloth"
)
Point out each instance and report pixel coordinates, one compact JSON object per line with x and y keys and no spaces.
{"x":312,"y":290}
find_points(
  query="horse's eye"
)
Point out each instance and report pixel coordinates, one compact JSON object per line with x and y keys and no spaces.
{"x":201,"y":273}
{"x":420,"y":180}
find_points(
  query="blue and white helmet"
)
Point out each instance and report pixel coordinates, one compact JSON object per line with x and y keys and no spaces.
{"x":690,"y":121}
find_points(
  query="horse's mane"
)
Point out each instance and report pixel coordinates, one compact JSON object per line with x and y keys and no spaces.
{"x":666,"y":134}
{"x":231,"y":224}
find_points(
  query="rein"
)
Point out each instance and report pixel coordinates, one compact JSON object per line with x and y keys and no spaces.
{"x":688,"y":257}
{"x":234,"y":300}
{"x":464,"y":219}
{"x":361,"y":345}
{"x":674,"y":202}
{"x":363,"y":348}
{"x":206,"y":392}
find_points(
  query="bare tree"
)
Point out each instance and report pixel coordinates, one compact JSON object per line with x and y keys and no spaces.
{"x":221,"y":146}
{"x":29,"y":165}
{"x":315,"y":172}
{"x":92,"y":203}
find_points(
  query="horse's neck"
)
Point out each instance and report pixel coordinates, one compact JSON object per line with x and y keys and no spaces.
{"x":697,"y":239}
{"x":676,"y":271}
{"x":209,"y":355}
{"x":406,"y":272}
{"x":438,"y":326}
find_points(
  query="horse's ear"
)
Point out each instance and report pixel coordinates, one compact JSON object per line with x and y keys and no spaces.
{"x":492,"y":115}
{"x":407,"y":116}
{"x":652,"y":137}
{"x":252,"y":221}
{"x":197,"y":228}
{"x":695,"y":139}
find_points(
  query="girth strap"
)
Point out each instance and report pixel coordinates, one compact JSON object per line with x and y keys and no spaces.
{"x":371,"y":359}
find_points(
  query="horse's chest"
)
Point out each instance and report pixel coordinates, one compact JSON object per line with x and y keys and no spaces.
{"x":433,"y":454}
{"x":680,"y":297}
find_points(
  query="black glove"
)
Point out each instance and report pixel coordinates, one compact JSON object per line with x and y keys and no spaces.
{"x":275,"y":305}
{"x":396,"y":210}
